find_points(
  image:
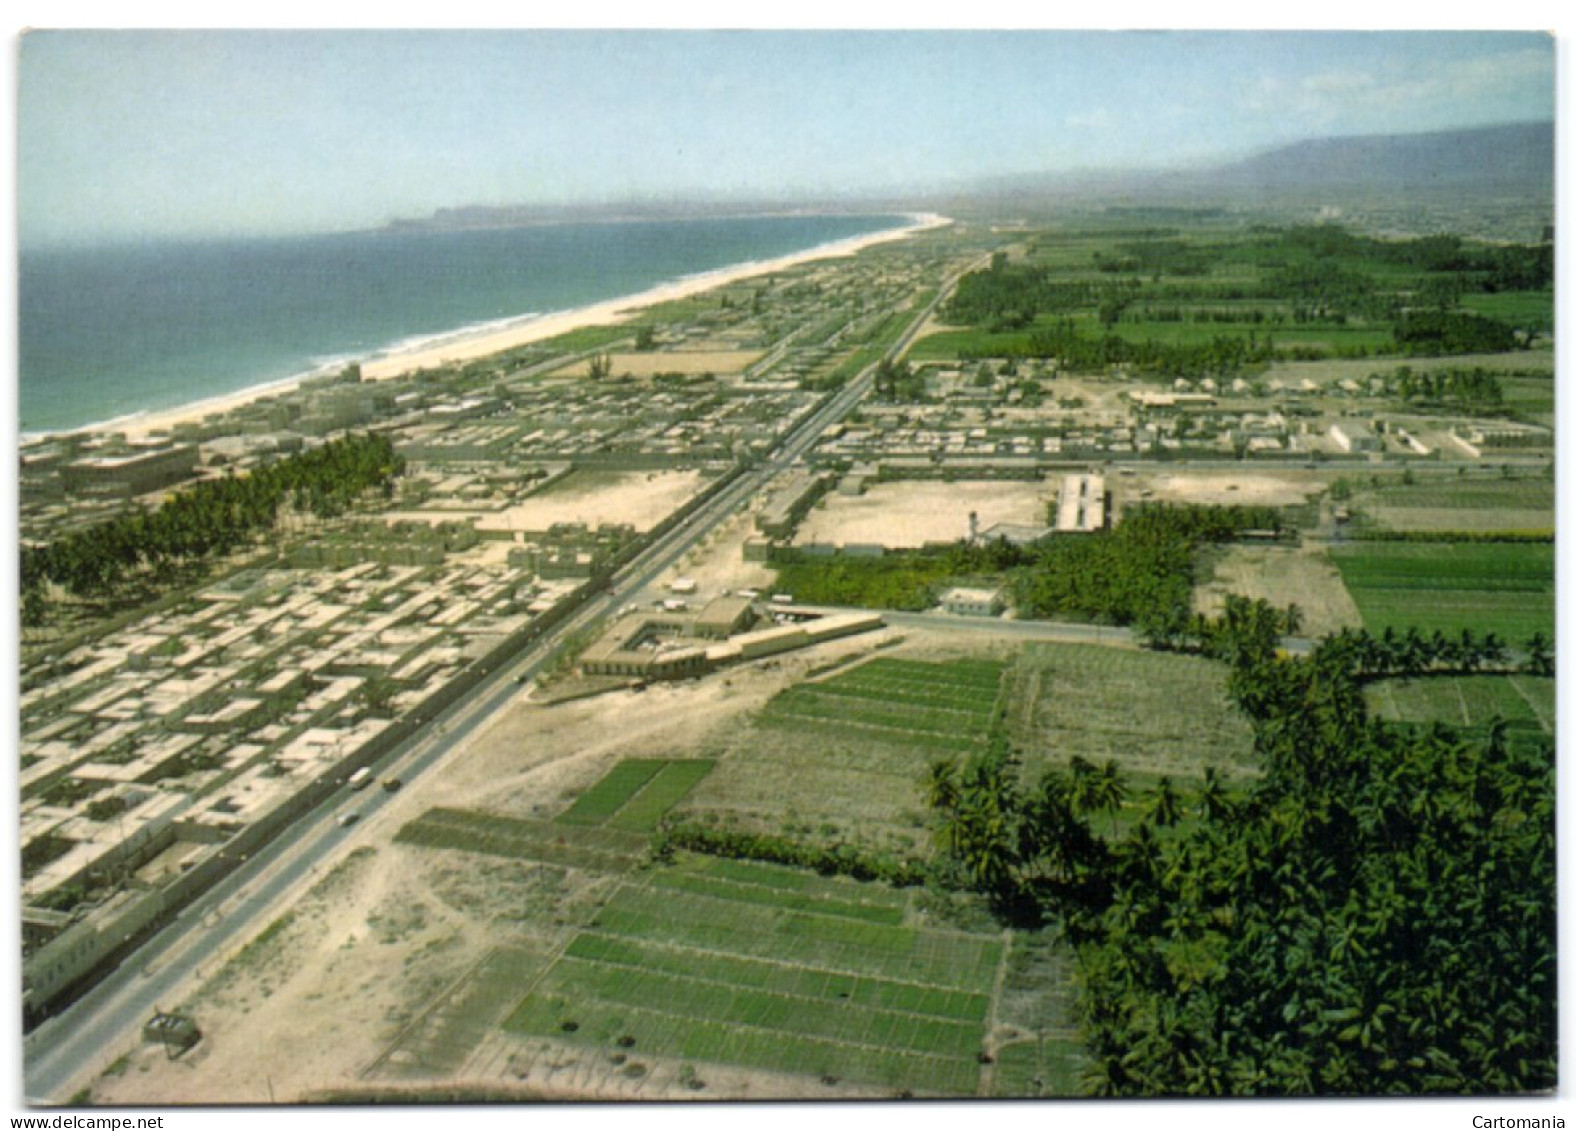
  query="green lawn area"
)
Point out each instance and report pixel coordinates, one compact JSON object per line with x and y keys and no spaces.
{"x":1507,"y":588}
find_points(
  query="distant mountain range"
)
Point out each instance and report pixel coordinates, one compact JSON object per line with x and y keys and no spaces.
{"x":1456,"y":169}
{"x":1498,"y":159}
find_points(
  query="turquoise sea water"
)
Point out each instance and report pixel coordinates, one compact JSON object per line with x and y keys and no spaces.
{"x":108,"y":332}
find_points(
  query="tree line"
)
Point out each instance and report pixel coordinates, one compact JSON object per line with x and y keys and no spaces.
{"x":207,"y":519}
{"x":1375,"y":915}
{"x":1140,"y":573}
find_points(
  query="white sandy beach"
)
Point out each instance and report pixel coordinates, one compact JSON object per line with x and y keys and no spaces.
{"x":467,"y":347}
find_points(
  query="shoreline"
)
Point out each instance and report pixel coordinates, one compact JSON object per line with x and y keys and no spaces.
{"x":470,"y":343}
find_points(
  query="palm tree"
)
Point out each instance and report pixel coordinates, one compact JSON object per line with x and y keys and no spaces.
{"x":1109,"y":791}
{"x":1540,"y":655}
{"x":941,"y":784}
{"x":1492,"y":649}
{"x":943,"y":796}
{"x":1165,"y":807}
{"x":1082,"y":790}
{"x":1213,"y":803}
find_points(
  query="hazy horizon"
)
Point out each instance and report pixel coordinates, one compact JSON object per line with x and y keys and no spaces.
{"x":158,"y":134}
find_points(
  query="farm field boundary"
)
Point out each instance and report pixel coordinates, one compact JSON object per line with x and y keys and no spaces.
{"x":636,"y":793}
{"x":595,"y":848}
{"x":1450,"y":586}
{"x":761,"y":966}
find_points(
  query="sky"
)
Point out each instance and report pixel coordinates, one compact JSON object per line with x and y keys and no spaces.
{"x":137,"y":134}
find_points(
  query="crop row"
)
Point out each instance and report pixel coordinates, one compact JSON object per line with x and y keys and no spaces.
{"x":837,"y":1020}
{"x":1515,"y":616}
{"x":925,"y":716}
{"x":663,"y":1034}
{"x":645,"y":809}
{"x":593,"y":848}
{"x":617,"y":786}
{"x":919,"y":681}
{"x":1477,"y":495}
{"x":773,"y":897}
{"x":949,"y":742}
{"x":707,"y":923}
{"x":790,"y":879}
{"x":973,"y":673}
{"x":967,"y":701}
{"x":804,"y":703}
{"x":782,"y":979}
{"x":1464,"y":700}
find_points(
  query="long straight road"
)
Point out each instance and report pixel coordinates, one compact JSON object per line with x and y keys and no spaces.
{"x":62,"y":1053}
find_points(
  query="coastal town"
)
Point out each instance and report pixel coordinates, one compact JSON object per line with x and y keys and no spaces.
{"x":612,"y":570}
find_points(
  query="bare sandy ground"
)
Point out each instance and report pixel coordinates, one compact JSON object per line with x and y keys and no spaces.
{"x":915,"y":512}
{"x":473,"y":346}
{"x":1223,"y":488}
{"x":385,"y":930}
{"x":1283,"y":575}
{"x":636,"y":498}
{"x":718,"y":563}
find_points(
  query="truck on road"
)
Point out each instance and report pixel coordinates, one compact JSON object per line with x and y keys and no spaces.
{"x":360,"y":779}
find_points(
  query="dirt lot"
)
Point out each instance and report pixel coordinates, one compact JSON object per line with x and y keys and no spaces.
{"x":597,"y":497}
{"x":718,"y":562}
{"x":1223,"y":488}
{"x":1282,"y":575}
{"x":915,"y":512}
{"x":720,"y":363}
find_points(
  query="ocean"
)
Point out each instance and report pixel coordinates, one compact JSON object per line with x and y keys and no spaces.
{"x":109,"y":332}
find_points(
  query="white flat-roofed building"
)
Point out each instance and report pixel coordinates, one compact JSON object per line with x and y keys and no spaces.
{"x":1354,"y":436}
{"x":965,"y":602}
{"x":1081,"y":508}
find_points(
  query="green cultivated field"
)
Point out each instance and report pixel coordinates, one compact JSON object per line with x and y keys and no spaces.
{"x":1449,"y":586}
{"x":847,"y":753}
{"x":772,"y":968}
{"x":636,"y":793}
{"x":939,"y":706}
{"x":1462,"y":504}
{"x":1524,"y":701}
{"x":1469,"y":494}
{"x":594,"y":848}
{"x":1530,"y":309}
{"x":1035,"y":1068}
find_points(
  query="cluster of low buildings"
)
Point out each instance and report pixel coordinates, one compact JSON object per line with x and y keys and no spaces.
{"x":150,"y":748}
{"x":158,"y":752}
